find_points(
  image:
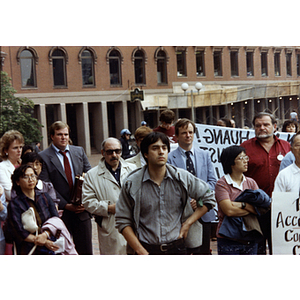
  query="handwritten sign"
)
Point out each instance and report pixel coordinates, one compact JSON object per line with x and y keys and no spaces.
{"x":285,"y":223}
{"x":215,"y":138}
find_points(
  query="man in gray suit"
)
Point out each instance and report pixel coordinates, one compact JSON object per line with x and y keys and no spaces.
{"x":197,"y":162}
{"x":62,"y":162}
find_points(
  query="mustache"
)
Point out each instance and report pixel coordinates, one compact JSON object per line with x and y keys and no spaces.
{"x":114,"y":158}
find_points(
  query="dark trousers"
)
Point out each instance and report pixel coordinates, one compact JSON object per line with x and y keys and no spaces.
{"x":265,"y":225}
{"x":80,"y":227}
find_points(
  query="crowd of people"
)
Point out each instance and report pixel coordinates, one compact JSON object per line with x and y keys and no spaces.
{"x":159,"y":200}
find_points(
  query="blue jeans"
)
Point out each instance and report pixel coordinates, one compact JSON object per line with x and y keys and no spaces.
{"x":229,"y":247}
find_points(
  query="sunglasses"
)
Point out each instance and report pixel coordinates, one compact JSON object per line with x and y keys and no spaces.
{"x":110,"y":152}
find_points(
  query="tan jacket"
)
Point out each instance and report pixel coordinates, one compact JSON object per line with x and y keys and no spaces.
{"x":99,"y":190}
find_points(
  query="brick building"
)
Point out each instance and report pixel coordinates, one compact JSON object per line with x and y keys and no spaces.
{"x":90,"y":87}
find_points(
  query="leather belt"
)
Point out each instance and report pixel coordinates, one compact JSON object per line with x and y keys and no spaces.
{"x":164,"y":247}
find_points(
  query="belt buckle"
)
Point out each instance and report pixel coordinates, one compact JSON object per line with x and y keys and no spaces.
{"x":162,"y":249}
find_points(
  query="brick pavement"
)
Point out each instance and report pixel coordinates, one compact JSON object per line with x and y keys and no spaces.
{"x":94,"y":159}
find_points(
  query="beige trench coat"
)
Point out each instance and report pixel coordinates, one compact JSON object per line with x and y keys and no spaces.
{"x":99,"y":190}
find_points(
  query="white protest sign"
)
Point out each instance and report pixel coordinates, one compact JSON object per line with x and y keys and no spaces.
{"x":215,"y":138}
{"x":285,"y":223}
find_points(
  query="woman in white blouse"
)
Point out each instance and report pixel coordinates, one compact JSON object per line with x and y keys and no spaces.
{"x":11,"y":144}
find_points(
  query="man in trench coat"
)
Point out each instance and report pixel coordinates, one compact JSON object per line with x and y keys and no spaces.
{"x":101,"y":188}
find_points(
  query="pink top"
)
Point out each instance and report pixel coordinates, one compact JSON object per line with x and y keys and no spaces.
{"x":224,"y":190}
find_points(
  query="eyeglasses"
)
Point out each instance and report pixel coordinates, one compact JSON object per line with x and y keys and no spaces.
{"x":34,"y":164}
{"x":245,"y":158}
{"x":110,"y":152}
{"x":31,"y":177}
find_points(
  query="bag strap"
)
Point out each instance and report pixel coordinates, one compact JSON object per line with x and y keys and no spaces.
{"x":34,"y":247}
{"x":30,"y":252}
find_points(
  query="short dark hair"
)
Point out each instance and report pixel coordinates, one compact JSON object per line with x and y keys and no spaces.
{"x":17,"y":174}
{"x":288,"y":123}
{"x":167,"y":116}
{"x":31,"y":157}
{"x":263,"y":114}
{"x":152,"y":138}
{"x":228,"y":156}
{"x":183,"y":123}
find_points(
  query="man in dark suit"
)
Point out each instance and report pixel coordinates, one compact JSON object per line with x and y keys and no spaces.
{"x":200,"y":165}
{"x":62,"y":162}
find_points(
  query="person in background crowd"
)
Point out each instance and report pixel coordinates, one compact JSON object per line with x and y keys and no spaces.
{"x":139,"y":135}
{"x":166,"y":119}
{"x":287,"y":160}
{"x":289,"y":126}
{"x":233,"y":125}
{"x":125,"y":137}
{"x":3,"y":215}
{"x":26,"y":149}
{"x":288,"y":180}
{"x":61,"y":163}
{"x":198,"y":162}
{"x":24,"y":181}
{"x":11,"y":145}
{"x":224,"y":123}
{"x":34,"y":160}
{"x":37,"y":148}
{"x":235,"y":162}
{"x":100,"y":191}
{"x":294,"y":116}
{"x":152,"y":212}
{"x":265,"y":152}
{"x":143,"y":123}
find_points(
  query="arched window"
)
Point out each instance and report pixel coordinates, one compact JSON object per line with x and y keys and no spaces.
{"x":59,"y":59}
{"x":88,"y":72}
{"x":139,"y":67}
{"x":162,"y":60}
{"x":27,"y":61}
{"x":115,"y":67}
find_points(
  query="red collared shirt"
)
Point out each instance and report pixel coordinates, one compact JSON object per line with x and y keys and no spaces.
{"x":263,"y":166}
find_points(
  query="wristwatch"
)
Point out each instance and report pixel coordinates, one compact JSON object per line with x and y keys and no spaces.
{"x":243,"y":205}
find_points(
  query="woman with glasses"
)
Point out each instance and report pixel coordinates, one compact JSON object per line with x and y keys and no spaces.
{"x":24,"y":180}
{"x":34,"y":160}
{"x":235,"y":162}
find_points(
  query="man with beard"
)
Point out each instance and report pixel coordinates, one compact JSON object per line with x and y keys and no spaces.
{"x":265,"y":152}
{"x":100,"y":192}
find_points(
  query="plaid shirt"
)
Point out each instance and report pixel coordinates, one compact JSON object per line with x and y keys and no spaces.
{"x":44,"y":209}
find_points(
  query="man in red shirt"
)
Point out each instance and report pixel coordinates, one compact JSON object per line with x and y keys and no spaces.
{"x":265,"y":153}
{"x":167,"y":118}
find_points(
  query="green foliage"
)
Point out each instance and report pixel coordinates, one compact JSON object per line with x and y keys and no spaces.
{"x":17,"y":113}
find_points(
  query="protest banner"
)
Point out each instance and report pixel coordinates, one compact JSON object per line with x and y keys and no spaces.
{"x":215,"y":138}
{"x":285,"y":223}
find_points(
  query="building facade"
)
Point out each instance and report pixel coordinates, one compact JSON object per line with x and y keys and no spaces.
{"x":90,"y":87}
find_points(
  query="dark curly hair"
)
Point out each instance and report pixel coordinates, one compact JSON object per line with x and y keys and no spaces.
{"x":152,"y":138}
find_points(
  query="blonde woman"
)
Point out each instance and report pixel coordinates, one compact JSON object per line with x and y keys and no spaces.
{"x":11,"y":145}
